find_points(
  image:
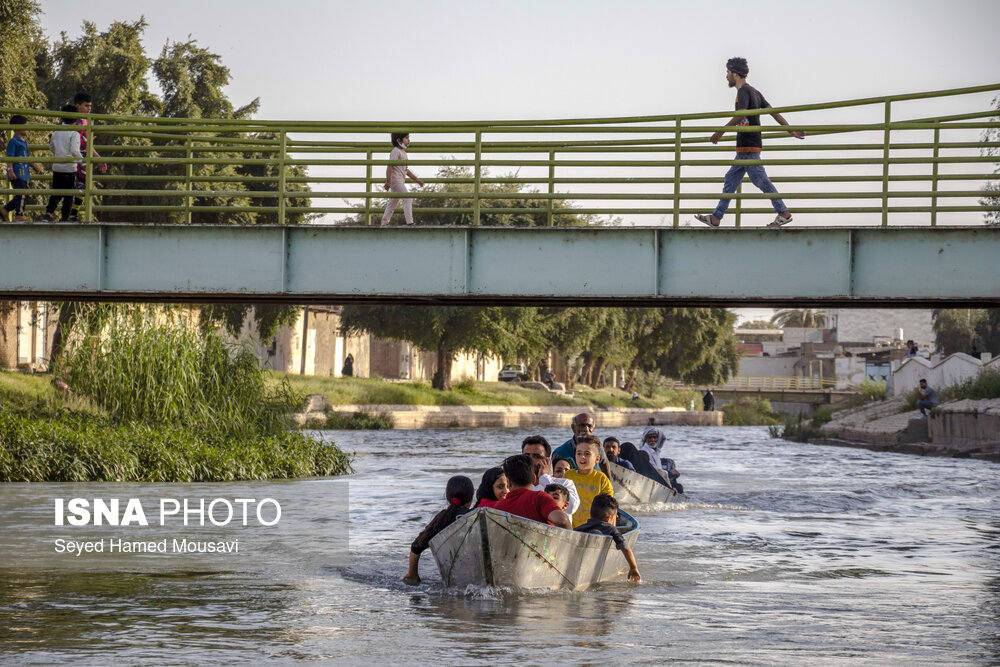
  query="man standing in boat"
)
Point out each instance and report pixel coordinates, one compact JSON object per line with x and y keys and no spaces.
{"x":583,"y":424}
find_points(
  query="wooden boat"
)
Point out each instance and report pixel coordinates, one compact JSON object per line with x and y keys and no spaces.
{"x":487,"y":547}
{"x":633,"y":489}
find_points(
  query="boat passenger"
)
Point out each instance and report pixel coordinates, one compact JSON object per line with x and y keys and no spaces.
{"x":492,"y":488}
{"x":522,"y":501}
{"x":612,"y":454}
{"x":652,"y":446}
{"x":603,"y":517}
{"x":539,"y":450}
{"x":640,"y":461}
{"x":582,"y":424}
{"x":589,"y":482}
{"x":458,"y":492}
{"x":560,"y":466}
{"x":559,"y":495}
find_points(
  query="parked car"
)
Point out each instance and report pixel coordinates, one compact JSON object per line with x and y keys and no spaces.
{"x":513,"y":373}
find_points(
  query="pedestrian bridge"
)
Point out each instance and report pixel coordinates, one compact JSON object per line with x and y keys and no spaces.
{"x":893,"y":200}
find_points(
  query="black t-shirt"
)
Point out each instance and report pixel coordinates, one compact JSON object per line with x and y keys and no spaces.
{"x":748,"y":97}
{"x":599,"y":527}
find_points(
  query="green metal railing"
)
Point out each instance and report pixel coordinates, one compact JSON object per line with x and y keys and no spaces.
{"x":864,"y":172}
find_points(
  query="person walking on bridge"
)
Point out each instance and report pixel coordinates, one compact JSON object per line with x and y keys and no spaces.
{"x":748,"y":146}
{"x":395,"y":179}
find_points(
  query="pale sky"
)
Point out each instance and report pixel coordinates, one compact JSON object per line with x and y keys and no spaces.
{"x":440,"y":59}
{"x":537,"y":59}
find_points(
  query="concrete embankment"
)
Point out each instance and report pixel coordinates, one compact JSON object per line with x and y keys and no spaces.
{"x":965,"y":429}
{"x":406,"y":417}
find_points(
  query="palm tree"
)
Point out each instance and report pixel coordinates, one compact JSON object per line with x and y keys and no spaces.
{"x":799,"y":317}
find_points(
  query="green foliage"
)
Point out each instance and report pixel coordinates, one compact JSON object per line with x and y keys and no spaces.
{"x":501,"y":331}
{"x":992,"y":189}
{"x":171,"y":374}
{"x":358,"y":421}
{"x":749,"y":411}
{"x":799,"y":317}
{"x":19,"y":36}
{"x":88,"y":449}
{"x":267,"y":317}
{"x":868,"y":391}
{"x":986,"y":384}
{"x":758,"y":324}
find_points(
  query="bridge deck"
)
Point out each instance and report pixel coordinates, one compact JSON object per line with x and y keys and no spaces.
{"x":476,"y":265}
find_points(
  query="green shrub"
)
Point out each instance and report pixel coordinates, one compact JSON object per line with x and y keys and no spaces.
{"x":83,"y":448}
{"x":359,"y":421}
{"x":140,"y":370}
{"x":749,"y":411}
{"x":984,"y":385}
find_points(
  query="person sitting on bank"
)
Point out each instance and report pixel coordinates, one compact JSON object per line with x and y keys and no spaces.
{"x":708,"y":401}
{"x":603,"y":519}
{"x":582,"y":424}
{"x":927,"y":398}
{"x":458,"y":493}
{"x":540,"y":451}
{"x":589,"y":482}
{"x":612,"y":454}
{"x":652,"y":446}
{"x":522,"y":501}
{"x":559,"y":494}
{"x":492,"y":489}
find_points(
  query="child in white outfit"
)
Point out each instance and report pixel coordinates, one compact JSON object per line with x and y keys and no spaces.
{"x":395,"y":179}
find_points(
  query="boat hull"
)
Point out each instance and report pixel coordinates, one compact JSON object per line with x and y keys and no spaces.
{"x":488,"y":547}
{"x":633,"y":489}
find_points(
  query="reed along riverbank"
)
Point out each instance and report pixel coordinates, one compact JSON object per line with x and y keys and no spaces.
{"x":153,"y":400}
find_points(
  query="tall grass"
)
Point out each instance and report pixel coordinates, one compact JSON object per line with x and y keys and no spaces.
{"x":156,"y":401}
{"x":749,"y":411}
{"x":166,"y":373}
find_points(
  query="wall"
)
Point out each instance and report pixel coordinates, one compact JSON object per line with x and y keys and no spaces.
{"x":26,"y":331}
{"x":952,"y":370}
{"x":855,"y":325}
{"x":767,"y":365}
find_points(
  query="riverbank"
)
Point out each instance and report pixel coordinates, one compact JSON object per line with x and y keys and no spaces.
{"x":963,"y":429}
{"x":412,"y":417}
{"x":55,"y":435}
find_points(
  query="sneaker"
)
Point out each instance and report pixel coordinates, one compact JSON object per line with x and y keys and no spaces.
{"x":20,"y":218}
{"x":707,"y":219}
{"x":72,"y":218}
{"x":922,"y":417}
{"x":780,"y":220}
{"x":64,"y":220}
{"x":48,"y":217}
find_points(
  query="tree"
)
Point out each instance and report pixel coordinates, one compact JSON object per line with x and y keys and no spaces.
{"x":958,"y":330}
{"x":507,"y":331}
{"x":799,"y":317}
{"x":449,"y":330}
{"x":758,"y":324}
{"x":992,"y":188}
{"x":113,"y":67}
{"x":19,"y":35}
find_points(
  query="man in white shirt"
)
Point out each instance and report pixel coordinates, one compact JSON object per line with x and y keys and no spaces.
{"x":540,"y":451}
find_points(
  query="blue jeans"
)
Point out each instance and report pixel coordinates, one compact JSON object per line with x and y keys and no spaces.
{"x":925,"y":405}
{"x":757,"y":176}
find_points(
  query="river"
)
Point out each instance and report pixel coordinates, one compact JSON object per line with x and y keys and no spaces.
{"x":782,"y":553}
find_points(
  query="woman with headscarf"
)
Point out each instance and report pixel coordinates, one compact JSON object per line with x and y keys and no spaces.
{"x":652,"y":446}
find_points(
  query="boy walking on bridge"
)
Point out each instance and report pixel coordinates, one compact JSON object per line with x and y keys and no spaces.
{"x":748,"y":146}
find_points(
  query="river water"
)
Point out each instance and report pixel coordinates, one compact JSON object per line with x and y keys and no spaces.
{"x":782,"y":554}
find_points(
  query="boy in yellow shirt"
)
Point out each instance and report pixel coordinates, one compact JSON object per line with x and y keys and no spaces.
{"x":589,"y":482}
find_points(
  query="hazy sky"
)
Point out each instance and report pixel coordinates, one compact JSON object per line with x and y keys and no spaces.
{"x":440,"y":59}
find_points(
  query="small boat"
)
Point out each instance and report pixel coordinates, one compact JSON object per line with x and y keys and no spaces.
{"x":487,"y":547}
{"x":633,"y":489}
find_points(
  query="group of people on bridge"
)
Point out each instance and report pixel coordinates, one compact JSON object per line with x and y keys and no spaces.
{"x":569,"y":487}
